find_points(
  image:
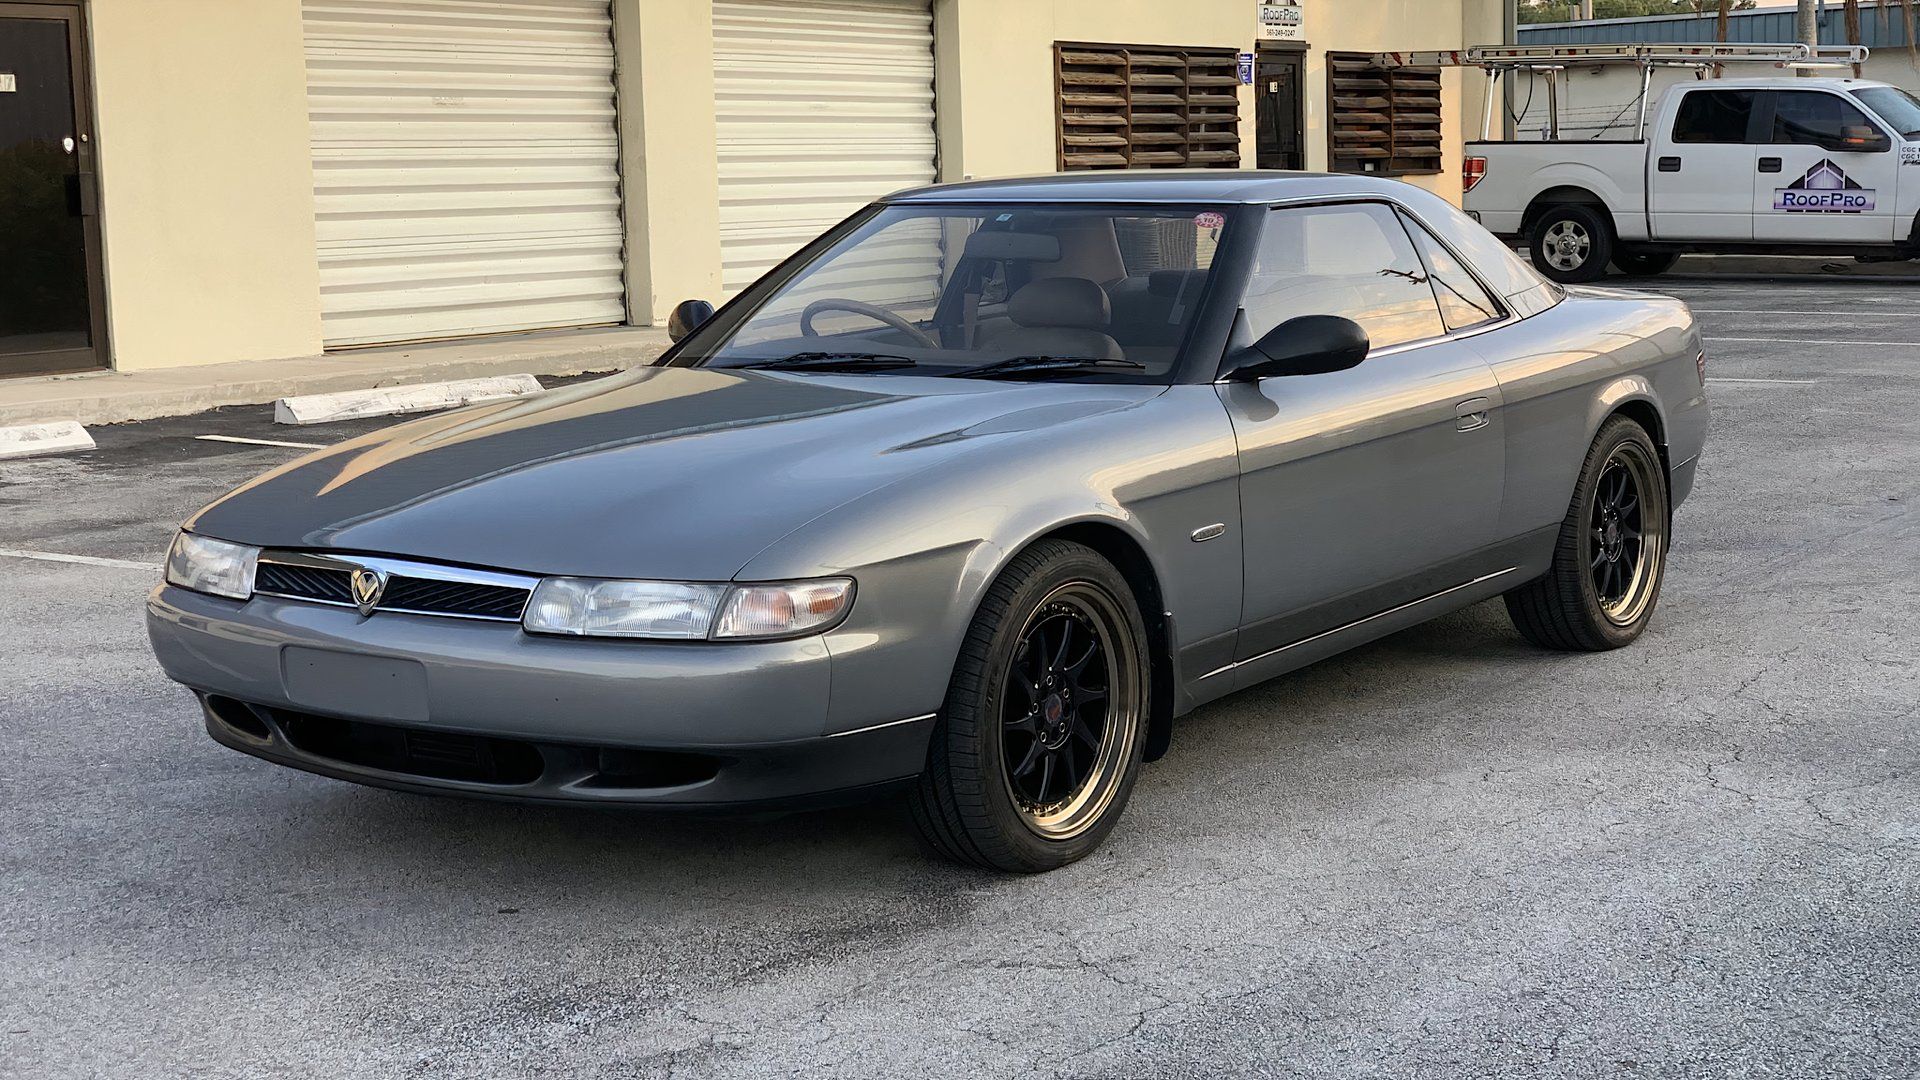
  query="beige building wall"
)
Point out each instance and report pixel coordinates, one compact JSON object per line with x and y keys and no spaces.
{"x":994,"y":66}
{"x":206,"y":183}
{"x":668,"y":167}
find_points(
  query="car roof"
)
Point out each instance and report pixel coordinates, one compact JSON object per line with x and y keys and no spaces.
{"x":1153,"y":186}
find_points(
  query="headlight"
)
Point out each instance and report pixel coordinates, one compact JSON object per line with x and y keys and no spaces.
{"x":651,"y":609}
{"x":585,"y":607}
{"x":211,"y":566}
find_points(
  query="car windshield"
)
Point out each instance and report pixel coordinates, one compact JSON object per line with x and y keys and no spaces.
{"x":1057,"y":291}
{"x":1895,"y":106}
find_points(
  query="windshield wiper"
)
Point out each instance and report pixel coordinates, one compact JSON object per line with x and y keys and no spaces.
{"x":821,"y":361}
{"x":1029,"y":365}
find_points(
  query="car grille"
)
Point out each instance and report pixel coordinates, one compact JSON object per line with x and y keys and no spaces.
{"x":413,"y":588}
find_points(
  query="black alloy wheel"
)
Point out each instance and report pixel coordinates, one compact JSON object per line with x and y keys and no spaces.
{"x":1611,"y":553}
{"x":1044,"y":727}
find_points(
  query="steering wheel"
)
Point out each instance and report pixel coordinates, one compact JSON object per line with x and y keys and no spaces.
{"x":871,"y":312}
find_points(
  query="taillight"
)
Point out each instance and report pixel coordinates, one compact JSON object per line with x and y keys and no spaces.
{"x":1472,"y":171}
{"x":1700,"y":362}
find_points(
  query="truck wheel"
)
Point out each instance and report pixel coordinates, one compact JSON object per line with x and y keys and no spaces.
{"x":1572,"y":243}
{"x":1644,"y":263}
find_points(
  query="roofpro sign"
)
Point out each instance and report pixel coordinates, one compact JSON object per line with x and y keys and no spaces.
{"x":1825,"y":189}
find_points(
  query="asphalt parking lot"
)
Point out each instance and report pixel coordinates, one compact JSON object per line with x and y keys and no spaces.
{"x":1444,"y":855}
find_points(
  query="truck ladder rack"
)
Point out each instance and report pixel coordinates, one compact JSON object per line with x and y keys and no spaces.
{"x":1552,"y":60}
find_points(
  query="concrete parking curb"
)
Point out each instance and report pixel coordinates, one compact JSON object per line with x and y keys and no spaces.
{"x":397,"y":400}
{"x":117,"y":397}
{"x":36,"y":440}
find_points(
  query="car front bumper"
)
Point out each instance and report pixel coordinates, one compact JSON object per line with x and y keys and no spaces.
{"x":482,"y":708}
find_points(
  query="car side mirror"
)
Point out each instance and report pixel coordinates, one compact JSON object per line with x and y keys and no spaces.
{"x":1308,"y":345}
{"x":1862,"y":139}
{"x":688,"y":315}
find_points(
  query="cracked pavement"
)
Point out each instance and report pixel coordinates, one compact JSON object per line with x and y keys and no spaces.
{"x":1444,"y":855}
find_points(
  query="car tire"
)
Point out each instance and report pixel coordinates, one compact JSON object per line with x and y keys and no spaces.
{"x":1644,"y":263}
{"x":1013,"y":696}
{"x":1611,"y":554}
{"x":1572,"y":243}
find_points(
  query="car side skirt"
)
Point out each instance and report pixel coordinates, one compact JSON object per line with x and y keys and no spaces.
{"x":1293,"y":641}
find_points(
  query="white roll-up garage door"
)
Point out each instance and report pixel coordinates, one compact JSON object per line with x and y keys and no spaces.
{"x":465,"y":164}
{"x":822,"y":105}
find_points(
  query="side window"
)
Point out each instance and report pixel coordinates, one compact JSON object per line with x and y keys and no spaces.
{"x":1352,"y":260}
{"x":1809,"y":117}
{"x":1463,"y":303}
{"x":1713,"y":116}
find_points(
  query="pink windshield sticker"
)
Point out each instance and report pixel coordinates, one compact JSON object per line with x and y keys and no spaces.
{"x":1209,"y":220}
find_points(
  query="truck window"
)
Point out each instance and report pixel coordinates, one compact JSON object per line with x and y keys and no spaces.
{"x":1895,"y":106}
{"x":1714,"y":116}
{"x":1813,"y":118}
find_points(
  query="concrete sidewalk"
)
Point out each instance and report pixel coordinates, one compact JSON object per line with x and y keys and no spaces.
{"x":109,"y":397}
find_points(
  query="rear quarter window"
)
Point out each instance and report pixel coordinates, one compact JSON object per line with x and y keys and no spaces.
{"x":1509,"y":276}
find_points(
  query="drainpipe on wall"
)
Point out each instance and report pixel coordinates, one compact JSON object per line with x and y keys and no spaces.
{"x":1509,"y":35}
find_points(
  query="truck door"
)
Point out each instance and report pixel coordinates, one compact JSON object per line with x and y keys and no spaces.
{"x":1695,"y":189}
{"x":1825,"y":174}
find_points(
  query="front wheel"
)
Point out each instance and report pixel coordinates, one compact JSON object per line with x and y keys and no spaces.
{"x":1644,"y":263}
{"x":1572,"y":243}
{"x":1041,"y":737}
{"x":1611,"y":554}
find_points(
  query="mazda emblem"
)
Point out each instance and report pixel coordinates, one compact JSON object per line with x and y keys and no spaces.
{"x":368,"y":586}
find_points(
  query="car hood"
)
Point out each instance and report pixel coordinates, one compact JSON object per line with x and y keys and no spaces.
{"x":677,"y":473}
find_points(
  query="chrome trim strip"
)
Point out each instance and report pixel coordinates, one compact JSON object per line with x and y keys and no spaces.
{"x":404,"y":567}
{"x":877,"y":727}
{"x":1356,"y":622}
{"x":458,"y":575}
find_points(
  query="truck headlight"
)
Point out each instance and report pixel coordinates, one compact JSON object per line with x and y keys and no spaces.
{"x":211,"y":566}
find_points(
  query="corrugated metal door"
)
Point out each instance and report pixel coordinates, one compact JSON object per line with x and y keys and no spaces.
{"x":822,"y":105}
{"x":465,"y":166}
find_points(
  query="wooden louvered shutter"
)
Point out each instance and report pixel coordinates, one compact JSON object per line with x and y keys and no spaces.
{"x":1132,"y":106}
{"x":1385,"y":120}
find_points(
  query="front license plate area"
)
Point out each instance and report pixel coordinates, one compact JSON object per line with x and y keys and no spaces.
{"x":354,"y":684}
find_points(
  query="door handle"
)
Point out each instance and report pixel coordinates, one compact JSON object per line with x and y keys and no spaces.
{"x":1473,"y":414}
{"x":1669,"y":164}
{"x":1769,"y":164}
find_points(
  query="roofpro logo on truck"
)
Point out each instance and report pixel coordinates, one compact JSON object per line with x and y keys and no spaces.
{"x":1824,"y":190}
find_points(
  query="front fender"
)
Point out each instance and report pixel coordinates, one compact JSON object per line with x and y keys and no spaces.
{"x":924,"y":551}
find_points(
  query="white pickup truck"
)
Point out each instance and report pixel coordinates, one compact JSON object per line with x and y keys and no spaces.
{"x":1784,"y":165}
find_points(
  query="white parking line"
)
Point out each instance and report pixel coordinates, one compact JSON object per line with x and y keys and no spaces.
{"x":1812,"y":341}
{"x":1804,"y":314}
{"x":1770,"y":382}
{"x":263,"y":442}
{"x":85,"y":560}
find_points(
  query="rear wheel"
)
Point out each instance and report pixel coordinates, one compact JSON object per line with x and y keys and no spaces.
{"x":1611,"y":554}
{"x":1644,"y":263}
{"x":1572,"y":243}
{"x":1041,"y":737}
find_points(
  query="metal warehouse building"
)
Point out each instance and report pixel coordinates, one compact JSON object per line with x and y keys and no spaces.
{"x":200,"y":181}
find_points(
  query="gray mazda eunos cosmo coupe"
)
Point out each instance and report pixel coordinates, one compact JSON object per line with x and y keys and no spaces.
{"x":972,"y":497}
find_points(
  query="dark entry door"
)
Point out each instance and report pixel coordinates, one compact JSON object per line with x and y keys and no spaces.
{"x":51,"y":309}
{"x":1281,"y":138}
